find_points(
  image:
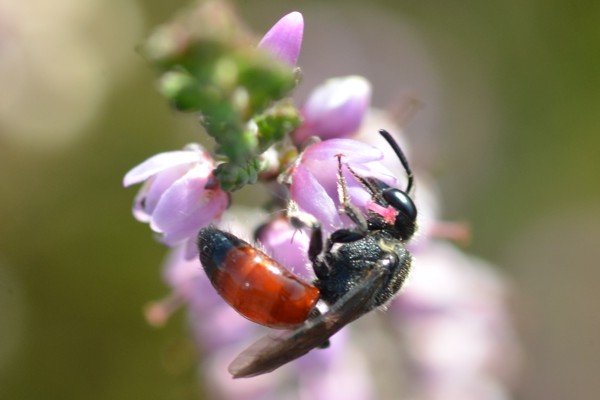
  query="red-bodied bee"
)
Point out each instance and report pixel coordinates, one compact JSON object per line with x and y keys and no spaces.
{"x":357,"y":270}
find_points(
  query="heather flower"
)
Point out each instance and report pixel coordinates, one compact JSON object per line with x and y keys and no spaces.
{"x":314,"y":180}
{"x":284,"y":39}
{"x":179,"y":195}
{"x":335,"y":109}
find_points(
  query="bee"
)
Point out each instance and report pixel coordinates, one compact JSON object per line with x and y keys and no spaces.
{"x":357,"y":270}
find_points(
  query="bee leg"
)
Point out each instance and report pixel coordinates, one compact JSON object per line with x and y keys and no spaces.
{"x":349,"y":209}
{"x":315,"y":247}
{"x":346,"y":236}
{"x":315,"y":250}
{"x":300,"y":219}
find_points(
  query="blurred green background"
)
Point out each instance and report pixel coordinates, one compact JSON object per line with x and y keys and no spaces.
{"x":509,"y":127}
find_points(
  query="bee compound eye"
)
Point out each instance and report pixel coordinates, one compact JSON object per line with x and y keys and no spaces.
{"x":401,"y":202}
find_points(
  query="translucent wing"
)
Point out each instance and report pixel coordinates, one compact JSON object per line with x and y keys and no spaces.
{"x":272,"y":351}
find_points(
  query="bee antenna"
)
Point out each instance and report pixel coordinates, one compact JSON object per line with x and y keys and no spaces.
{"x":388,"y":137}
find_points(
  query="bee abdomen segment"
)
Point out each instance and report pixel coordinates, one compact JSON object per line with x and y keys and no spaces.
{"x":255,"y":285}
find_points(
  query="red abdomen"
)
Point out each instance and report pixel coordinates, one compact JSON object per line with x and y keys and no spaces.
{"x":255,"y":285}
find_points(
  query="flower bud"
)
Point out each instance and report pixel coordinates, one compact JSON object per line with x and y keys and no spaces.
{"x":284,"y":39}
{"x":335,"y":109}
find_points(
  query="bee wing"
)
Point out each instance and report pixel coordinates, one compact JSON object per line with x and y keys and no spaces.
{"x":272,"y":351}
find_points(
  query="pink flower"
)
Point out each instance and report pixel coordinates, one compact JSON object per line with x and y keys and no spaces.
{"x":284,"y":39}
{"x":314,"y":180}
{"x":335,"y":109}
{"x":179,"y":195}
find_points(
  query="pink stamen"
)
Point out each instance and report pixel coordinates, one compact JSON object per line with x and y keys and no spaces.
{"x":158,"y":312}
{"x":459,"y":232}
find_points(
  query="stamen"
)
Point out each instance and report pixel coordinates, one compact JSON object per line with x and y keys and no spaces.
{"x":459,"y":232}
{"x":158,"y":312}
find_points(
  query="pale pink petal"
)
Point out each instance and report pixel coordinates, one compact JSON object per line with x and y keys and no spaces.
{"x":158,"y":163}
{"x":180,"y":202}
{"x":359,"y":197}
{"x":288,"y":246}
{"x":313,"y":199}
{"x":375,"y":170}
{"x":325,"y":172}
{"x":203,"y":215}
{"x":335,"y":109}
{"x":157,"y":185}
{"x":284,"y":39}
{"x":353,"y":150}
{"x":139,"y":202}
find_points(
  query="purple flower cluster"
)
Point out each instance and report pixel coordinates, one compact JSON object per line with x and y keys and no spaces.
{"x":451,"y":320}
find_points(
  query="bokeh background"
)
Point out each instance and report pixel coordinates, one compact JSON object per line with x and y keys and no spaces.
{"x":509,"y":124}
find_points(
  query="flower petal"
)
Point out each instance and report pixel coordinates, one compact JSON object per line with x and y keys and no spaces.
{"x":375,"y":170}
{"x":186,"y":229}
{"x":359,"y":197}
{"x":139,"y":203}
{"x":335,"y":109}
{"x":186,"y":206}
{"x":354,"y":151}
{"x":288,"y":246}
{"x":158,"y":163}
{"x":284,"y":39}
{"x":313,"y":198}
{"x":157,"y":185}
